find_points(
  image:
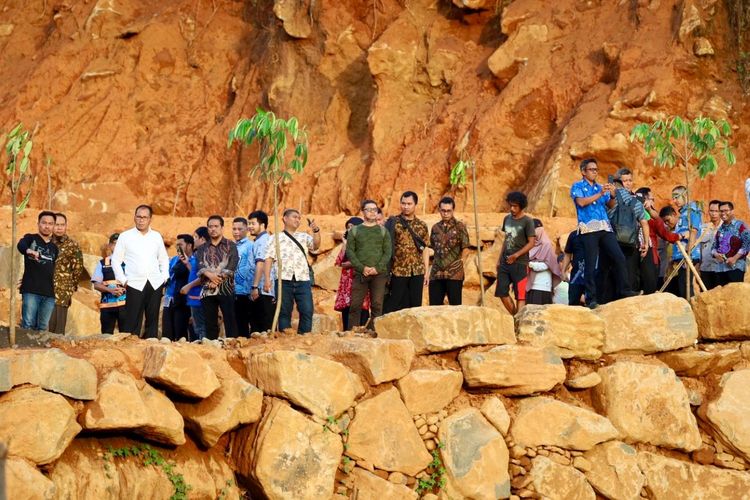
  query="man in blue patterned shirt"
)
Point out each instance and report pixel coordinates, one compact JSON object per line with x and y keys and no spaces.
{"x":590,"y":199}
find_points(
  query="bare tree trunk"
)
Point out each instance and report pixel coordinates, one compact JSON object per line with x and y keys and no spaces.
{"x":476,"y":229}
{"x":277,"y":246}
{"x":14,"y":234}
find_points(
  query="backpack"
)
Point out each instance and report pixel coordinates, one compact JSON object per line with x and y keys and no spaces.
{"x":624,"y":222}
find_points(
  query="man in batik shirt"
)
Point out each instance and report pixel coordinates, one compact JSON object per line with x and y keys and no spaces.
{"x":410,"y":266}
{"x":450,"y":241}
{"x":68,"y":271}
{"x":217,"y":262}
{"x":731,"y":246}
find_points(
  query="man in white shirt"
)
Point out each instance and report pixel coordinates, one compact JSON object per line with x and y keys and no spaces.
{"x":146,"y":271}
{"x":296,"y":282}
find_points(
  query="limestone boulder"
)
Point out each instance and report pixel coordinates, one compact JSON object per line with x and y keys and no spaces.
{"x":513,"y":369}
{"x":327,"y":273}
{"x":295,"y":457}
{"x":371,"y":487}
{"x":614,"y":471}
{"x":559,"y":482}
{"x":6,"y":380}
{"x":82,"y":472}
{"x":648,"y":404}
{"x":718,"y":314}
{"x":572,"y":332}
{"x":24,"y":481}
{"x":429,"y":391}
{"x":728,"y":414}
{"x":378,"y":360}
{"x":549,"y":422}
{"x":648,"y":324}
{"x":667,"y":476}
{"x":693,"y":362}
{"x":494,"y":410}
{"x":296,"y":16}
{"x":180,"y":371}
{"x":320,"y":386}
{"x":585,"y":381}
{"x":36,"y":424}
{"x":55,"y":371}
{"x":236,"y":402}
{"x":124,"y":403}
{"x":383,"y":433}
{"x":475,"y":456}
{"x":444,"y":328}
{"x":514,"y":54}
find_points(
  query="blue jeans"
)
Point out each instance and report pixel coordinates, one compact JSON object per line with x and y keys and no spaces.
{"x":301,"y":293}
{"x":36,"y":311}
{"x":199,"y":322}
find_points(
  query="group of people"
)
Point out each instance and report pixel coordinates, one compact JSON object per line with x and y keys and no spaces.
{"x":621,"y":247}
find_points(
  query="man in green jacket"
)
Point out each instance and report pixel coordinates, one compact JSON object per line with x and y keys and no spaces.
{"x":368,"y":247}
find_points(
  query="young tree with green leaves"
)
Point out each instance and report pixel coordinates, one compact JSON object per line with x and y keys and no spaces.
{"x":458,"y":177}
{"x":273,"y":136}
{"x":18,"y":151}
{"x":693,"y":145}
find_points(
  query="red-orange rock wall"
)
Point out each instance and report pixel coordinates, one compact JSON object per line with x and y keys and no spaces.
{"x":132,"y":100}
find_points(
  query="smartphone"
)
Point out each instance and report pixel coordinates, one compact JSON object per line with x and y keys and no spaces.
{"x":180,"y":252}
{"x":611,"y":179}
{"x":309,"y":221}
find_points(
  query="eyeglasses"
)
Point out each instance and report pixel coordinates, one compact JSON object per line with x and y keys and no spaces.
{"x":370,"y":209}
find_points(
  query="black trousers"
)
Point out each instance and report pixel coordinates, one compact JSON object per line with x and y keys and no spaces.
{"x":261,"y":313}
{"x":364,"y":317}
{"x":175,"y":321}
{"x":711,"y":279}
{"x":211,"y":305}
{"x":575,"y":293}
{"x":406,"y":291}
{"x":438,"y":289}
{"x":111,"y":317}
{"x":59,"y":319}
{"x":649,"y":274}
{"x":733,"y":276}
{"x":143,"y":305}
{"x":603,"y":246}
{"x":242,"y":309}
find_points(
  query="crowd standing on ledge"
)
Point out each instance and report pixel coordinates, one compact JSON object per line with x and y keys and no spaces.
{"x":621,"y":247}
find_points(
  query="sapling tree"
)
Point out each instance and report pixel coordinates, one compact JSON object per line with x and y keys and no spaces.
{"x":18,"y":152}
{"x":273,"y":136}
{"x":692,"y":145}
{"x":458,"y":177}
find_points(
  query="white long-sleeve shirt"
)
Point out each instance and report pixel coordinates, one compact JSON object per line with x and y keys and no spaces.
{"x":145,"y":259}
{"x":543,"y":278}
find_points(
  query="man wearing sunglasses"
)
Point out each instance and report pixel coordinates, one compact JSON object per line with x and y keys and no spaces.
{"x":590,"y":200}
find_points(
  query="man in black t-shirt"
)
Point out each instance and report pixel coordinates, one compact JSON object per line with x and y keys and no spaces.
{"x":37,"y":285}
{"x":520,"y":236}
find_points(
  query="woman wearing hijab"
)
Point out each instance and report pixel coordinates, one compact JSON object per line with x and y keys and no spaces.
{"x":344,"y":292}
{"x":544,"y":270}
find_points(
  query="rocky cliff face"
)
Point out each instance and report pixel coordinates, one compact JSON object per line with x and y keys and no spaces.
{"x":132,"y":100}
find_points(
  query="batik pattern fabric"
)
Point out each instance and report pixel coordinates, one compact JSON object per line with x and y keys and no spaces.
{"x":407,"y":258}
{"x":593,"y":217}
{"x":220,"y":259}
{"x":68,"y":270}
{"x":448,"y":240}
{"x":732,"y":238}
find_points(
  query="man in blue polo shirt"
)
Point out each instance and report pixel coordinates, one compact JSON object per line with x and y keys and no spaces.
{"x":595,"y":229}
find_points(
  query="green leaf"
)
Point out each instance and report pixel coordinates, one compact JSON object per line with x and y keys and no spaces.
{"x":23,"y":204}
{"x":27,"y":148}
{"x":24,"y":165}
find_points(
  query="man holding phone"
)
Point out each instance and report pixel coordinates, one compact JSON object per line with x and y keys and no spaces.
{"x":590,"y":200}
{"x":295,"y":276}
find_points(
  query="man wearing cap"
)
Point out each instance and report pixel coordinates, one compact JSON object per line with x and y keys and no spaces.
{"x":146,"y":270}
